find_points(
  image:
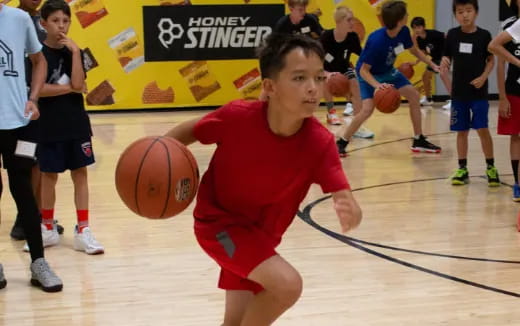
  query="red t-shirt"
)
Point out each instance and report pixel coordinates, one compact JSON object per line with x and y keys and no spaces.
{"x":256,"y":177}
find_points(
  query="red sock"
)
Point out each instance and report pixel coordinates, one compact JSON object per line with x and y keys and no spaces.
{"x":82,"y":219}
{"x":48,"y":218}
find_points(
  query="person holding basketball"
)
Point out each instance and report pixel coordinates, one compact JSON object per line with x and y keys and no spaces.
{"x":252,"y":189}
{"x":375,"y":69}
{"x":65,"y":132}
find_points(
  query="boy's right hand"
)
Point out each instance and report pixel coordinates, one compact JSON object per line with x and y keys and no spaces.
{"x":445,"y":64}
{"x":383,"y":86}
{"x":31,"y":110}
{"x":504,"y":108}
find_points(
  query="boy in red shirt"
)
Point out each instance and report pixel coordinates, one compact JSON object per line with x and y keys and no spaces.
{"x":268,"y":155}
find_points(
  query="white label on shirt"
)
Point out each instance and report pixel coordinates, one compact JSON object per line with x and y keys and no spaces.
{"x":518,"y":80}
{"x":329,"y":57}
{"x":399,"y":49}
{"x":465,"y":48}
{"x":345,"y":55}
{"x":25,"y":149}
{"x":306,"y":29}
{"x":64,"y":80}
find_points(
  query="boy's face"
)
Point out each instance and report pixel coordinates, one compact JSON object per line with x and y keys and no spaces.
{"x":57,"y":24}
{"x":465,"y":15}
{"x":297,"y":12}
{"x":298,"y":87}
{"x":30,"y":4}
{"x":347,"y":23}
{"x":418,"y":30}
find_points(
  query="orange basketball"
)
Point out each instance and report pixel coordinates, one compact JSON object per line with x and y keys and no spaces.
{"x":157,"y":177}
{"x":338,"y":84}
{"x":387,"y":100}
{"x":406,"y":69}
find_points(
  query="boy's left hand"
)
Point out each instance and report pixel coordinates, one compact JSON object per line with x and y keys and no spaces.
{"x":70,"y":44}
{"x":347,"y":210}
{"x":478,"y":82}
{"x":31,"y":110}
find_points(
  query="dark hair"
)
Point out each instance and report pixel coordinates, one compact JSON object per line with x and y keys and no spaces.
{"x":474,"y":3}
{"x":275,"y":48}
{"x":51,"y":6}
{"x":418,"y":21}
{"x":392,"y":12}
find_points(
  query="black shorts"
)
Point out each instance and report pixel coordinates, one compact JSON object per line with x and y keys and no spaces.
{"x":8,"y":141}
{"x":350,"y":74}
{"x":56,"y":157}
{"x":437,"y":62}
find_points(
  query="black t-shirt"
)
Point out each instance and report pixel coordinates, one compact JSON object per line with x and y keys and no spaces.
{"x":432,"y":44}
{"x":513,"y":72}
{"x":309,"y":26}
{"x":468,"y":53}
{"x":62,"y":117}
{"x":337,"y":54}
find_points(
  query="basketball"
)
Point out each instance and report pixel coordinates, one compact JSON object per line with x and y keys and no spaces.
{"x":387,"y":100}
{"x":338,"y":84}
{"x":157,"y":177}
{"x":406,"y":69}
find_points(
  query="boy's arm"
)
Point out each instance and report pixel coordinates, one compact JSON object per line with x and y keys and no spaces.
{"x":504,"y":108}
{"x":481,"y":80}
{"x":39,"y":73}
{"x":348,"y":211}
{"x":50,"y":90}
{"x":423,"y":57}
{"x":77,"y":80}
{"x":369,"y":78}
{"x":496,"y":46}
{"x":183,"y":132}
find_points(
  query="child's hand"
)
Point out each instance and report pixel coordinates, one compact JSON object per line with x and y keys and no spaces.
{"x":436,"y":68}
{"x":383,"y":86}
{"x":478,"y":82}
{"x":31,"y":110}
{"x":504,"y":108}
{"x":70,"y":44}
{"x":445,"y":64}
{"x":347,"y":210}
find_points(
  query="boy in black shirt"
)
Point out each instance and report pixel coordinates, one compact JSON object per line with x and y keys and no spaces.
{"x":339,"y":44}
{"x":299,"y":22}
{"x":466,"y":47}
{"x":431,"y":42}
{"x":65,"y":133}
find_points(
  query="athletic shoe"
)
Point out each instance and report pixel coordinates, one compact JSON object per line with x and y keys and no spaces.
{"x":492,"y":175}
{"x":364,"y":133}
{"x":332,"y":118}
{"x":349,"y":109}
{"x":3,"y":282}
{"x":447,"y":106}
{"x":86,"y":242}
{"x":18,"y":233}
{"x":421,"y":145}
{"x":516,"y":192}
{"x":460,"y":177}
{"x":43,"y":276}
{"x":425,"y":102}
{"x":49,"y":237}
{"x":342,"y":147}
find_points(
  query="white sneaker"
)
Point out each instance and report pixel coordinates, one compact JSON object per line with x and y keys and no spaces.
{"x":447,"y":106}
{"x":86,"y":242}
{"x":349,"y":109}
{"x":424,"y":101}
{"x":363,"y":132}
{"x":49,"y":237}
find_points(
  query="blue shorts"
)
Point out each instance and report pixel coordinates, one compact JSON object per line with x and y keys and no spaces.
{"x":469,"y":114}
{"x":393,"y":77}
{"x":57,"y":157}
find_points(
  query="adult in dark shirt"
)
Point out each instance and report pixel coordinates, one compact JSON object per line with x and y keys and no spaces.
{"x":431,"y":42}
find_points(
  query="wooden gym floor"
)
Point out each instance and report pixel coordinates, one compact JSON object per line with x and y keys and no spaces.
{"x":426,"y":253}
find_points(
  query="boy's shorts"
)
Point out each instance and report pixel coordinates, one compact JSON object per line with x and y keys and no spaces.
{"x":510,"y":126}
{"x":393,"y":77}
{"x":238,"y":250}
{"x":469,"y":114}
{"x":56,"y":157}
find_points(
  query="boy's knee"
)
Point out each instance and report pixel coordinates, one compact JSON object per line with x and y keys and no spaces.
{"x":290,"y":290}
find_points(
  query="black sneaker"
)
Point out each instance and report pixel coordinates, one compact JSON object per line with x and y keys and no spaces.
{"x":342,"y":147}
{"x":421,"y":145}
{"x":3,"y":282}
{"x":17,"y":232}
{"x":59,"y":228}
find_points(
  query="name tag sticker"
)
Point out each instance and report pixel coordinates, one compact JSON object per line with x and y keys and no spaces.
{"x":64,"y":80}
{"x":25,"y":149}
{"x":398,"y":49}
{"x":329,"y":57}
{"x":465,"y":48}
{"x":306,"y":30}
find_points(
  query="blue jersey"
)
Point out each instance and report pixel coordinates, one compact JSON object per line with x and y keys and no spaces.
{"x":381,"y":50}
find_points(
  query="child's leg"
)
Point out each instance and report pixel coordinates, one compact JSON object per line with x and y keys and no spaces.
{"x":282,"y":288}
{"x":367,"y":109}
{"x":355,"y":96}
{"x":236,"y":305}
{"x":462,"y":144}
{"x":81,"y":196}
{"x":515,"y":156}
{"x":486,"y":142}
{"x":49,"y":180}
{"x":413,"y":97}
{"x":427,"y":83}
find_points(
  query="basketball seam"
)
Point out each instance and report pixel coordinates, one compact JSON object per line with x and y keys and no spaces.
{"x":139,"y":174}
{"x":159,"y":140}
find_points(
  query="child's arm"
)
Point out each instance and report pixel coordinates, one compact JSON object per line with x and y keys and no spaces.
{"x":39,"y":72}
{"x":50,"y":90}
{"x":496,"y":46}
{"x":369,"y":78}
{"x":183,"y":132}
{"x":504,"y":107}
{"x":423,"y":57}
{"x":481,"y":80}
{"x":348,"y":211}
{"x":77,"y":80}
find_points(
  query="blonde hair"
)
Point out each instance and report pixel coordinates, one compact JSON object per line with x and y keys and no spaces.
{"x":293,"y":3}
{"x":341,"y":12}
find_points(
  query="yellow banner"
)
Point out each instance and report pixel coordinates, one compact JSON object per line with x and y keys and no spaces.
{"x":111,"y":33}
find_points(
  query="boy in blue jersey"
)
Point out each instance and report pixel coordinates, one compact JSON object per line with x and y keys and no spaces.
{"x":376,"y":71}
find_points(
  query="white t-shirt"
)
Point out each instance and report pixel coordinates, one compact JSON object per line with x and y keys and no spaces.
{"x":17,"y":37}
{"x":514,"y":31}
